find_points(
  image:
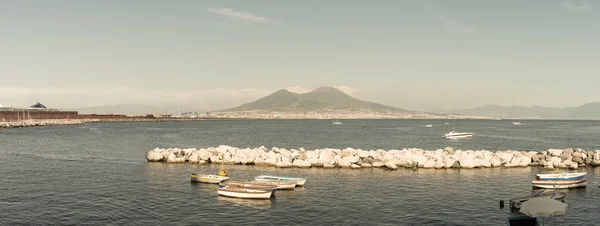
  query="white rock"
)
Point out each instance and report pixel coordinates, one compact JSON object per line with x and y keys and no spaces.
{"x":366,"y":165}
{"x":390,"y":165}
{"x":467,"y":161}
{"x":301,"y":164}
{"x":328,"y":165}
{"x":194,"y":158}
{"x":573,"y":165}
{"x":344,"y":162}
{"x":378,"y":164}
{"x":172,"y":158}
{"x":247,"y":160}
{"x":439,"y":164}
{"x":430,"y":163}
{"x":283,"y":164}
{"x":484,"y":163}
{"x":215,"y":159}
{"x":494,"y":162}
{"x":285,"y":153}
{"x":363,"y":154}
{"x":448,"y":162}
{"x":352,"y":159}
{"x":555,"y":152}
{"x":354,"y":166}
{"x":294,"y":155}
{"x":312,"y":155}
{"x":270,"y":162}
{"x":154,"y":156}
{"x":420,"y":159}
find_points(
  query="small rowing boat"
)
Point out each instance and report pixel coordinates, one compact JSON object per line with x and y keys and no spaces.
{"x":248,"y":185}
{"x":281,"y":185}
{"x":208,"y":178}
{"x":561,"y":176}
{"x":245,"y":193}
{"x":557,"y":184}
{"x":299,"y":181}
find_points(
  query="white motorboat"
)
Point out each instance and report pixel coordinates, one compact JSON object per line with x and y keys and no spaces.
{"x":337,"y":123}
{"x":516,"y":123}
{"x":299,"y":181}
{"x":428,"y":126}
{"x":244,"y":193}
{"x":208,"y":178}
{"x":456,"y":135}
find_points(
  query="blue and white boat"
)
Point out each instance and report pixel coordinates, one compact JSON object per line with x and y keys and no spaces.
{"x":299,"y":181}
{"x":561,"y":176}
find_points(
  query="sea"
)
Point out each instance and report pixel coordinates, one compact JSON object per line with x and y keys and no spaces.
{"x":97,"y":174}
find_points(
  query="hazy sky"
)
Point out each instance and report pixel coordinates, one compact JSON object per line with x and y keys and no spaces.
{"x":411,"y":54}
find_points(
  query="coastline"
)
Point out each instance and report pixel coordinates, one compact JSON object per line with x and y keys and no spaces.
{"x":11,"y":124}
{"x":391,"y":159}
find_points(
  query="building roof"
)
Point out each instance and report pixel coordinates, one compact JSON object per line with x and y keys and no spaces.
{"x":38,"y":105}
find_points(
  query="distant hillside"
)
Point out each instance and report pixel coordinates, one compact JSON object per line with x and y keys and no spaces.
{"x":133,"y":109}
{"x":586,"y":111}
{"x":323,"y":98}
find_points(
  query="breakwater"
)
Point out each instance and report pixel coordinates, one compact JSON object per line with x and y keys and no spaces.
{"x":36,"y":123}
{"x":62,"y":122}
{"x":392,"y":159}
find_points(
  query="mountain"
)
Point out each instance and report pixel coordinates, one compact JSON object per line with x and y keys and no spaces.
{"x":322,"y":99}
{"x":586,"y":111}
{"x":133,"y":109}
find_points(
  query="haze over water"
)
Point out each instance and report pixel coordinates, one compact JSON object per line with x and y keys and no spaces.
{"x":97,"y":174}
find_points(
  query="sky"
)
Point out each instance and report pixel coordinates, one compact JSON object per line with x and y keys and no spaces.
{"x":412,"y":54}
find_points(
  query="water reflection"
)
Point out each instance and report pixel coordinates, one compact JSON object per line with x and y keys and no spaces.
{"x":251,"y":203}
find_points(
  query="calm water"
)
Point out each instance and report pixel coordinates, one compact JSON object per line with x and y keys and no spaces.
{"x":97,"y":174}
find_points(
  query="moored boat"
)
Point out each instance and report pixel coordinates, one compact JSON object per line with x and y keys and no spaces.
{"x":245,"y":193}
{"x":561,"y":176}
{"x":557,"y":184}
{"x":208,"y":178}
{"x":248,"y":185}
{"x":515,"y":203}
{"x":281,"y":185}
{"x":456,"y":135}
{"x":299,"y":181}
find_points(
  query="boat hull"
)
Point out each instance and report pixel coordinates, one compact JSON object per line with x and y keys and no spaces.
{"x":245,"y":193}
{"x":299,"y":181}
{"x":209,"y":179}
{"x":457,"y":136}
{"x":249,"y":185}
{"x":281,"y":185}
{"x":568,"y":176}
{"x":559,"y":184}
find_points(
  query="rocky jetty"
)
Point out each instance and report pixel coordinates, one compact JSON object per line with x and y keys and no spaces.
{"x":36,"y":123}
{"x":391,"y":159}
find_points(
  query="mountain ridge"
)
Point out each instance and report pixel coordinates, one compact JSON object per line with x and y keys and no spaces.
{"x":589,"y":110}
{"x":323,"y":98}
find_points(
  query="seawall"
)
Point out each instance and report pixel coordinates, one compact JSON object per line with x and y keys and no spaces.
{"x":391,"y":159}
